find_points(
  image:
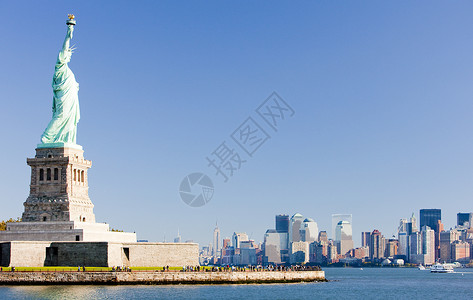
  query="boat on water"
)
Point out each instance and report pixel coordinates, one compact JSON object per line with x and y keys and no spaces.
{"x":441,"y":268}
{"x":421,"y":267}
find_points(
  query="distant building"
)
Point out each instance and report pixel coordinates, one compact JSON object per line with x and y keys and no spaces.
{"x":415,"y":248}
{"x":282,"y":223}
{"x":430,"y":217}
{"x":336,"y":218}
{"x":323,"y":236}
{"x":177,"y":239}
{"x":332,"y":255}
{"x":365,"y":239}
{"x":412,"y":224}
{"x":294,"y":228}
{"x":247,"y":253}
{"x":428,"y":245}
{"x":464,"y":219}
{"x":237,"y":238}
{"x":361,"y":252}
{"x":274,"y":243}
{"x":460,"y":251}
{"x":391,"y":248}
{"x":299,"y":252}
{"x":319,"y":250}
{"x":217,"y":248}
{"x":309,"y":230}
{"x":446,"y":239}
{"x":343,"y":237}
{"x":438,"y":230}
{"x":377,"y":245}
{"x":226,"y":243}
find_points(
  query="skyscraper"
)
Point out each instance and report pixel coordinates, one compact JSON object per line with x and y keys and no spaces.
{"x":282,"y":223}
{"x":216,"y":248}
{"x":337,"y":218}
{"x":343,"y":237}
{"x":428,"y":245}
{"x":309,"y":230}
{"x":177,"y":239}
{"x":365,"y":239}
{"x":430,"y":217}
{"x":377,"y":245}
{"x":294,"y":228}
{"x":412,"y":225}
{"x":274,"y":242}
{"x":462,"y":218}
{"x":237,"y":238}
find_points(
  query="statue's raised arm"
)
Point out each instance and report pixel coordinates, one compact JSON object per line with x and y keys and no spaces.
{"x":62,"y":128}
{"x":70,"y":30}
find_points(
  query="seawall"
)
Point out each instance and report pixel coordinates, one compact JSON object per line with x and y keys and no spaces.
{"x":43,"y":278}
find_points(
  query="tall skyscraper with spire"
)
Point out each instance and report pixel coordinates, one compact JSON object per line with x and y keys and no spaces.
{"x":216,"y":247}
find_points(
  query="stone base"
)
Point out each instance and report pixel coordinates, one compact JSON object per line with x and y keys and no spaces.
{"x":97,"y":254}
{"x":64,"y":231}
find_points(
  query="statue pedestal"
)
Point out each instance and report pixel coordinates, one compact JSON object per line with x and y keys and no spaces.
{"x":59,"y":145}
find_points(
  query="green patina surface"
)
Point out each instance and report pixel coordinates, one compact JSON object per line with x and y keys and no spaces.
{"x":66,"y":114}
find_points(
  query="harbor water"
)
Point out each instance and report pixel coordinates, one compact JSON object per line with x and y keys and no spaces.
{"x":344,"y":283}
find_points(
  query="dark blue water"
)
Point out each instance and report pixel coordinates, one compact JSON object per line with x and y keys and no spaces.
{"x":375,"y":283}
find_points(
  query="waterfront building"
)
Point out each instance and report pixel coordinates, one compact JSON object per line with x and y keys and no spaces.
{"x":446,"y":239}
{"x":428,"y":245}
{"x":415,"y":248}
{"x":464,"y":219}
{"x":391,"y":248}
{"x":361,"y":252}
{"x":309,"y":231}
{"x":403,"y":239}
{"x":237,"y":238}
{"x":460,"y":251}
{"x":430,"y":217}
{"x":343,"y":237}
{"x":216,"y":248}
{"x":377,"y":245}
{"x":282,"y":223}
{"x":336,"y":218}
{"x":439,"y":229}
{"x":365,"y":239}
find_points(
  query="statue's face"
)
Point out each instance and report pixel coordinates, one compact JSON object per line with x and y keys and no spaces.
{"x":68,"y":54}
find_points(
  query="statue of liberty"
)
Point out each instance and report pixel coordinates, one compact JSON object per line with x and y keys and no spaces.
{"x":63,"y":126}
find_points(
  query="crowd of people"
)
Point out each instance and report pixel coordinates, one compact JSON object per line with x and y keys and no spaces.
{"x":229,"y":268}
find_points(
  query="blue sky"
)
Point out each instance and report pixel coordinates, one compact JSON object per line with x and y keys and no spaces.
{"x":381,"y":90}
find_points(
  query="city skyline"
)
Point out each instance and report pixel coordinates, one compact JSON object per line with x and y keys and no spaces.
{"x":297,"y":240}
{"x":382,"y":105}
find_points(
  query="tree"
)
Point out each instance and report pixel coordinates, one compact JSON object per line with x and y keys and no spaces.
{"x":3,"y":224}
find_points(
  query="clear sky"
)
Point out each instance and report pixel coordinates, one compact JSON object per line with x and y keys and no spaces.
{"x":382,"y":93}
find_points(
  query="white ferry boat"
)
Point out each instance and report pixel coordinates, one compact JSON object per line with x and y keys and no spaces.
{"x":441,"y":268}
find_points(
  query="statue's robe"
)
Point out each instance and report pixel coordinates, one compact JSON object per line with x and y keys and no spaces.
{"x":66,"y":114}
